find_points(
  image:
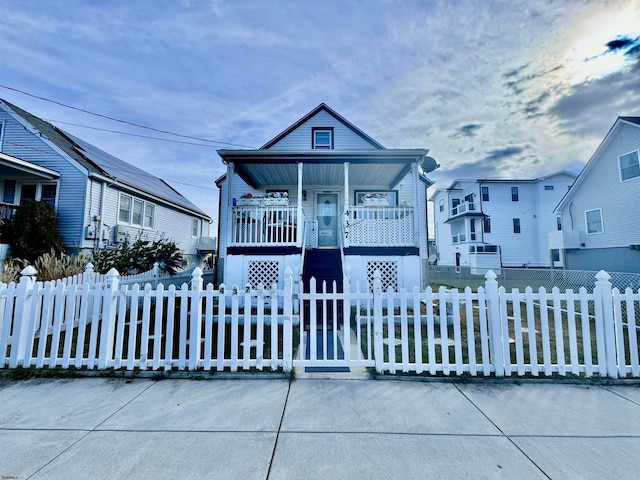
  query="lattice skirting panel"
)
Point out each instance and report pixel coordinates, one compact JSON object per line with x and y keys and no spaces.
{"x":389,"y":271}
{"x":263,"y":272}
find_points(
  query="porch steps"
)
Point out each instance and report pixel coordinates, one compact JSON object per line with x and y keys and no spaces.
{"x":324,"y":265}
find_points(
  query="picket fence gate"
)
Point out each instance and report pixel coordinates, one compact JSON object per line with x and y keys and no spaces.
{"x":99,"y":323}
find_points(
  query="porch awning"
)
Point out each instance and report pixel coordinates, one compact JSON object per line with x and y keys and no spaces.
{"x":11,"y":165}
{"x":325,"y":167}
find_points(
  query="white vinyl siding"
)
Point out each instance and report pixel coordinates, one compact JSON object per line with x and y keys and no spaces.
{"x":600,"y":187}
{"x":343,"y":137}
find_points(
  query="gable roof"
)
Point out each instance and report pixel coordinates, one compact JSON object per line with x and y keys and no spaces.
{"x":97,"y":161}
{"x":632,"y":121}
{"x":315,"y":111}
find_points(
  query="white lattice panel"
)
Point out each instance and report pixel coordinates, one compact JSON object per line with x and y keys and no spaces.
{"x":263,"y":272}
{"x":311,"y":234}
{"x":388,"y":270}
{"x":389,"y":227}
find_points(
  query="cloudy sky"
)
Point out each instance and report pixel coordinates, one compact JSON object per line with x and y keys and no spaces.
{"x":499,"y":89}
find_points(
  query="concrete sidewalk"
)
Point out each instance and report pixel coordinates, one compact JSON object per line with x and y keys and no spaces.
{"x":315,"y":428}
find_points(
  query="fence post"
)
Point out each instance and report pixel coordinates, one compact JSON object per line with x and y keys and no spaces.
{"x":495,"y":323}
{"x":378,"y":348}
{"x":195,"y":318}
{"x":155,"y":271}
{"x":21,"y":316}
{"x":604,"y":295}
{"x":287,"y":323}
{"x":108,"y":328}
{"x":89,"y":274}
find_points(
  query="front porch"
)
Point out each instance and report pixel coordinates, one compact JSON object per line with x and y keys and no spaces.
{"x":359,"y":226}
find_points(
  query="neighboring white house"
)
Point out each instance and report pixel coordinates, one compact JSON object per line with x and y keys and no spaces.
{"x":486,"y":223}
{"x":99,"y":199}
{"x":326,"y":200}
{"x":600,"y":214}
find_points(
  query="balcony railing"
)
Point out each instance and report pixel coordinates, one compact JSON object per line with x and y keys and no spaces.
{"x":463,"y":208}
{"x":254,"y":226}
{"x":380,"y":226}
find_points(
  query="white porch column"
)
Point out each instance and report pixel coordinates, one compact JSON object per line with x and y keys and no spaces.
{"x":418,"y":219}
{"x":345,"y":210}
{"x":300,"y":223}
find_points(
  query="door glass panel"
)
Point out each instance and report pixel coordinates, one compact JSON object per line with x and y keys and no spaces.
{"x":327,"y":217}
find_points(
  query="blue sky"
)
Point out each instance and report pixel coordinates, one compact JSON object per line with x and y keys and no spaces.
{"x":498,"y":89}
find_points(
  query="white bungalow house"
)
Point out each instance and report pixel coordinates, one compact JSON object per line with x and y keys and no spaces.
{"x":487,"y":224}
{"x":600,"y":216}
{"x":327,"y":200}
{"x":99,"y":199}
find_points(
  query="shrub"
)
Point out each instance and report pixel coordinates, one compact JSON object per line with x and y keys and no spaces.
{"x":33,"y":232}
{"x":139,"y":256}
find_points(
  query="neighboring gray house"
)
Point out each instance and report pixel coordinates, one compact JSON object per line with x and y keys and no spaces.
{"x":600,"y":214}
{"x":99,"y":199}
{"x":326,"y":200}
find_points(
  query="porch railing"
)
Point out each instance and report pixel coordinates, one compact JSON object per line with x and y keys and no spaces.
{"x":376,"y":226}
{"x":463,"y":207}
{"x":264,"y":225}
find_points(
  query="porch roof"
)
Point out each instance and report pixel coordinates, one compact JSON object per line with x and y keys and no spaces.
{"x":324,"y":167}
{"x":11,"y":165}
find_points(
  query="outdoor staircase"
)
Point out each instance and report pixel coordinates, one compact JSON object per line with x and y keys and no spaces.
{"x":325,"y":265}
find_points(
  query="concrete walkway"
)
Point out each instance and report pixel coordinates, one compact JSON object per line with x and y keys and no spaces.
{"x":316,"y":428}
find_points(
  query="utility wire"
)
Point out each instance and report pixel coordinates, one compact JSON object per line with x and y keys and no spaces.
{"x":130,"y":134}
{"x":124,"y":121}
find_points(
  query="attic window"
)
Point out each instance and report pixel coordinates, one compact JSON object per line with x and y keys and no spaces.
{"x":322,"y":138}
{"x":629,"y":166}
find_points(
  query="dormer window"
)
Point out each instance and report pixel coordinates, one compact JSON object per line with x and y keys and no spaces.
{"x":322,"y":138}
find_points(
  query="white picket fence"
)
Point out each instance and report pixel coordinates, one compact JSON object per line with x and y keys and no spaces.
{"x":107,"y":325}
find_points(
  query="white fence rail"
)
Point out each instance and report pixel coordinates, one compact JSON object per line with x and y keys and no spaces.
{"x":489,"y":331}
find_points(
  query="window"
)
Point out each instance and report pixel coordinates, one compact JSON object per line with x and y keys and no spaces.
{"x":548,"y":187}
{"x":516,"y":225}
{"x":322,"y":138}
{"x":455,"y":202}
{"x":194,"y":227}
{"x":555,"y":254}
{"x":514,"y":194}
{"x":559,"y":223}
{"x":472,"y":229}
{"x":48,"y":194}
{"x":629,"y":166}
{"x":27,"y":193}
{"x":441,"y":205}
{"x":138,"y":207}
{"x":1,"y":132}
{"x":485,"y":194}
{"x":135,"y":211}
{"x":593,"y":219}
{"x":487,"y":225}
{"x":149,"y":211}
{"x":124,"y":212}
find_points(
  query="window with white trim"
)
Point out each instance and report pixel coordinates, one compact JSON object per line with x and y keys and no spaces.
{"x":1,"y":132}
{"x":593,"y":221}
{"x":629,"y":166}
{"x":39,"y":192}
{"x":322,"y":138}
{"x":441,"y":205}
{"x":136,"y":212}
{"x":194,"y":227}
